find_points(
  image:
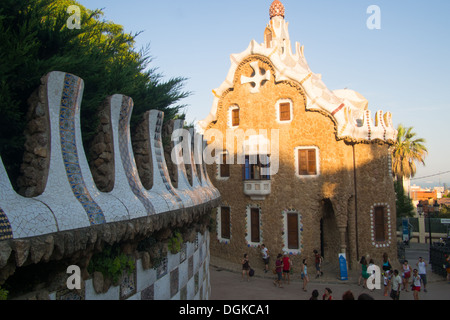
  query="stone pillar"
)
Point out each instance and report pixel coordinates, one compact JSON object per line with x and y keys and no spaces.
{"x":421,"y":229}
{"x":343,"y":242}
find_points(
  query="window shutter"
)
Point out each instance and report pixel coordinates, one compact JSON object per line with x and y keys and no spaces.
{"x":307,"y":162}
{"x":285,"y":111}
{"x":302,"y":162}
{"x":292,"y":226}
{"x":312,"y":170}
{"x":254,"y":225}
{"x":225,"y":222}
{"x":380,"y":234}
{"x":235,"y":117}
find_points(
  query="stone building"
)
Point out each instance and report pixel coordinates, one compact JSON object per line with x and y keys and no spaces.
{"x":300,"y":167}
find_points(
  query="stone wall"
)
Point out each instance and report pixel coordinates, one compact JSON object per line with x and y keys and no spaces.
{"x":74,"y":210}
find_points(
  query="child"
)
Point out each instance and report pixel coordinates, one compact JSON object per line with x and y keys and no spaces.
{"x":304,"y":275}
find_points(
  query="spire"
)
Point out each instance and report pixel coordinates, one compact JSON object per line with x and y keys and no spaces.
{"x":276,"y":9}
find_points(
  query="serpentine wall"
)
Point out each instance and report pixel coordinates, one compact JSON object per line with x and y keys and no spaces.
{"x":144,"y":209}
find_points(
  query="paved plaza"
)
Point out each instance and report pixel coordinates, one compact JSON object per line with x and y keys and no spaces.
{"x":227,"y":284}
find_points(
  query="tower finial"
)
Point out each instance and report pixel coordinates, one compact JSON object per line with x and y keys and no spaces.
{"x":276,"y":9}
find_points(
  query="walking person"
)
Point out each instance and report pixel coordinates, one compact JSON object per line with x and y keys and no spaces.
{"x":265,"y":257}
{"x":245,"y":267}
{"x":318,"y":261}
{"x":287,"y":267}
{"x":396,"y":286}
{"x":279,"y":270}
{"x":416,"y":284}
{"x":304,"y":274}
{"x":406,"y":275}
{"x":422,"y":265}
{"x":364,"y":274}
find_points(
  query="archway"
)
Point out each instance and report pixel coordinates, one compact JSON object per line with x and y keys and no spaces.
{"x":329,"y":233}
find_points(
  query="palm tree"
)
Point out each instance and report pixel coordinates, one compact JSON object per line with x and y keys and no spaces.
{"x":406,"y":152}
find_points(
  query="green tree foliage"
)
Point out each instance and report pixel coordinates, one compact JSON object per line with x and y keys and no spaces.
{"x":404,"y":205}
{"x":408,"y":150}
{"x":35,"y":40}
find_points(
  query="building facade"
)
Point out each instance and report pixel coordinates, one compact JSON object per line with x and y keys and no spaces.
{"x":299,"y":167}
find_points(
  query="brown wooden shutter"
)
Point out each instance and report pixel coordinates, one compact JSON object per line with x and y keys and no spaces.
{"x":380,"y":232}
{"x":235,"y":117}
{"x":254,"y":225}
{"x":307,"y":162}
{"x":292,"y":232}
{"x":312,"y":170}
{"x":285,"y":111}
{"x":225,"y":222}
{"x":302,"y":162}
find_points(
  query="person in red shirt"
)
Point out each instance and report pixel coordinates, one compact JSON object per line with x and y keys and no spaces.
{"x":287,"y":266}
{"x":327,"y":294}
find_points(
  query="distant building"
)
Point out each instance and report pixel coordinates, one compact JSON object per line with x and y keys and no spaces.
{"x":333,"y":189}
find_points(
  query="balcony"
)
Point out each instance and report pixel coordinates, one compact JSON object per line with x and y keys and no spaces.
{"x":257,"y":189}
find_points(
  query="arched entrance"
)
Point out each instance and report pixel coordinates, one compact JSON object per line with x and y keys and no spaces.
{"x":329,"y":233}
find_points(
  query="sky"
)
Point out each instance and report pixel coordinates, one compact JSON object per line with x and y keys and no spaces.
{"x":402,"y":67}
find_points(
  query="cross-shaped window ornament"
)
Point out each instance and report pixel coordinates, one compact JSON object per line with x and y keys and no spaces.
{"x":258,"y":79}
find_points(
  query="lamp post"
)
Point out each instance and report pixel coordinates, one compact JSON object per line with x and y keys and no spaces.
{"x":420,"y":208}
{"x":436,"y":208}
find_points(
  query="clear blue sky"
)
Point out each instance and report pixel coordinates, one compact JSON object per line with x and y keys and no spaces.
{"x":403,"y":68}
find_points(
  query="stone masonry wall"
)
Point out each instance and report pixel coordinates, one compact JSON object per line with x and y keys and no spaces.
{"x":304,"y":195}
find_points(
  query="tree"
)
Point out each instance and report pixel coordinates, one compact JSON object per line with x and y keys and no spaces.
{"x":404,"y":206}
{"x":35,"y":40}
{"x":406,"y":152}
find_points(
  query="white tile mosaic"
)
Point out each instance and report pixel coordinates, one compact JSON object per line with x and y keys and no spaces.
{"x":22,"y":217}
{"x":71,"y":199}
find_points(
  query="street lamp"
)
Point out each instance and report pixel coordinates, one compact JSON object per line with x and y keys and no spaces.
{"x":420,"y":208}
{"x":436,"y":207}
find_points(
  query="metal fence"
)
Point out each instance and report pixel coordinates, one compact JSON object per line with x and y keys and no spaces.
{"x":438,"y":254}
{"x":436,"y":225}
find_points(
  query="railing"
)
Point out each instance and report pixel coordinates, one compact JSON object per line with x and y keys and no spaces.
{"x":438,"y":258}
